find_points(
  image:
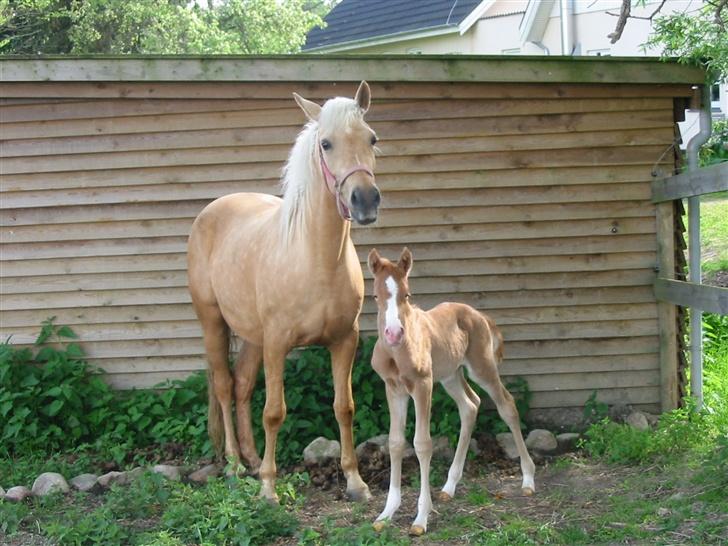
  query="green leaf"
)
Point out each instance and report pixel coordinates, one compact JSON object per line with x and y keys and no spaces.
{"x":54,"y":407}
{"x":65,"y":331}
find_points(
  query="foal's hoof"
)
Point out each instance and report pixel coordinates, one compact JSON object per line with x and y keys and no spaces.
{"x":417,"y":531}
{"x":379,"y":525}
{"x":361,"y":494}
{"x":527,"y":492}
{"x":442,"y":496}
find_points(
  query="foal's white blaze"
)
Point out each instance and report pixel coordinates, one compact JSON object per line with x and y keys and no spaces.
{"x":392,"y":324}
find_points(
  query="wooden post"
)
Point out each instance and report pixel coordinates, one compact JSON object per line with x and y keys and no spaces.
{"x":667,"y":312}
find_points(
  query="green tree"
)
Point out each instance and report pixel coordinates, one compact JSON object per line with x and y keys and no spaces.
{"x":156,"y":26}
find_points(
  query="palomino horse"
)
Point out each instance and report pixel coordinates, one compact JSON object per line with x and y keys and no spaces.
{"x":283,"y":273}
{"x":417,"y":347}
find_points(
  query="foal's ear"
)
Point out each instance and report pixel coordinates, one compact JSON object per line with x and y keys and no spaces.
{"x":405,"y":261}
{"x":310,"y":108}
{"x":374,"y":261}
{"x":363,"y":96}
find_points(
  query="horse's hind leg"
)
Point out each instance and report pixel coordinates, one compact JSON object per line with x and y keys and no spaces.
{"x":246,"y":371}
{"x":220,"y":382}
{"x":483,"y":365}
{"x":468,"y":403}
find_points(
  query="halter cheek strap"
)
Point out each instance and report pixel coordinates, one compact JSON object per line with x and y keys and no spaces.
{"x":335,"y":185}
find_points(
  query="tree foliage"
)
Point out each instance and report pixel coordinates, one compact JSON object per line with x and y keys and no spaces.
{"x":156,"y":26}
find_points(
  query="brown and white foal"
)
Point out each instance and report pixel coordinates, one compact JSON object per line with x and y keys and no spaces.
{"x":416,"y":348}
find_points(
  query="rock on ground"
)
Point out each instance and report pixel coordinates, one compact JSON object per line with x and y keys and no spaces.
{"x":567,"y":441}
{"x":321,"y":450}
{"x":508,"y":444}
{"x":204,"y":474}
{"x":49,"y":482}
{"x":637,"y":420}
{"x":381,"y":442}
{"x":542,"y":440}
{"x":85,"y":482}
{"x":441,"y":448}
{"x":18,"y":493}
{"x":168,"y":471}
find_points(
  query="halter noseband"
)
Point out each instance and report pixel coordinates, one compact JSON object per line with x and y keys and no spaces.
{"x":334,"y":185}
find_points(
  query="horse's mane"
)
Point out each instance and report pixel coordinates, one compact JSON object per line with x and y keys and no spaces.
{"x":302,"y":170}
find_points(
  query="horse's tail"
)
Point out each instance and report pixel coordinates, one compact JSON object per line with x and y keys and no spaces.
{"x":215,"y":428}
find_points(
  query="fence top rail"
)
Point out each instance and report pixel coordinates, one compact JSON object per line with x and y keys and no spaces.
{"x":689,"y":184}
{"x":433,"y":68}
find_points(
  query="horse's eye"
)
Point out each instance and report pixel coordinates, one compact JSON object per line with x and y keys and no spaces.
{"x":407,"y":296}
{"x":376,"y":298}
{"x":326,"y":144}
{"x":374,"y":139}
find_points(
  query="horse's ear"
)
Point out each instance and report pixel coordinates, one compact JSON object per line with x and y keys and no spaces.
{"x":310,"y":108}
{"x":405,"y":261}
{"x":363,"y":96}
{"x":374,"y":261}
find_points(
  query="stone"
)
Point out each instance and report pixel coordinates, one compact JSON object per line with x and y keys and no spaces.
{"x":49,"y":482}
{"x":105,"y":480}
{"x":17,"y":494}
{"x":441,"y":448}
{"x":637,"y":420}
{"x":542,"y":440}
{"x":652,"y":419}
{"x":204,"y":474}
{"x":619,"y":412}
{"x":85,"y":482}
{"x":474,"y":447}
{"x":663,"y":512}
{"x":567,"y":441}
{"x":508,"y":444}
{"x":170,"y":472}
{"x":321,"y":450}
{"x":381,"y":442}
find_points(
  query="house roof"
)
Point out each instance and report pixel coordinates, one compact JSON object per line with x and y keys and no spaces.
{"x":356,"y":20}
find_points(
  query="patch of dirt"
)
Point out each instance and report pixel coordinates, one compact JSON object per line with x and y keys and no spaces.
{"x":718,"y":278}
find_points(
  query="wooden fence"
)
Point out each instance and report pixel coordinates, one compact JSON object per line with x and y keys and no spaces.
{"x":522,"y":186}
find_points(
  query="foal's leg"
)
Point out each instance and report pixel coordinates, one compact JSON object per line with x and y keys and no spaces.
{"x":485,"y":373}
{"x":246,"y":371}
{"x":215,"y":333}
{"x":397,"y":400}
{"x":422,"y":395}
{"x":342,"y":359}
{"x":274,"y":414}
{"x":468,"y":403}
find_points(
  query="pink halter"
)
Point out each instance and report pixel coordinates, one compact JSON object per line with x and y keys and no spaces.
{"x":334,"y":185}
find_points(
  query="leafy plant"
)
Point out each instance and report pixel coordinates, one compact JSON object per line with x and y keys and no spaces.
{"x":594,"y":410}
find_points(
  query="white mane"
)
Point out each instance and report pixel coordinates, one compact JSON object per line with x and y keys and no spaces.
{"x":302,"y":170}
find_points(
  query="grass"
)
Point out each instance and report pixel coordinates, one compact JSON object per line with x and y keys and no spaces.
{"x":714,"y":232}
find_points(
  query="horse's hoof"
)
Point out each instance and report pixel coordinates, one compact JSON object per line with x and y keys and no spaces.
{"x":527,"y":492}
{"x":417,"y":531}
{"x":359,"y":495}
{"x":379,"y":525}
{"x":442,"y":496}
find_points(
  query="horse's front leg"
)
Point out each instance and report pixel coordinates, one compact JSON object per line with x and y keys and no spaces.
{"x":397,"y":400}
{"x":274,"y":413}
{"x":342,"y":359}
{"x":422,"y":395}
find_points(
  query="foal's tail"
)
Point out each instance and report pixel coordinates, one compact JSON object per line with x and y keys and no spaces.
{"x":215,"y":428}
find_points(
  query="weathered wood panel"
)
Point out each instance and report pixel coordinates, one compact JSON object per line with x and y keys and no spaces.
{"x":528,"y":201}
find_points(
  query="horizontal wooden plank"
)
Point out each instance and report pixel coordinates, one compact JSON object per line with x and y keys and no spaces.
{"x":410,"y":229}
{"x":353,"y":69}
{"x":28,"y":321}
{"x":215,"y":180}
{"x":480,"y":299}
{"x":454,"y":282}
{"x":428,"y":251}
{"x":691,"y":183}
{"x":292,"y":115}
{"x":78,"y":91}
{"x":711,"y":299}
{"x":68,"y":152}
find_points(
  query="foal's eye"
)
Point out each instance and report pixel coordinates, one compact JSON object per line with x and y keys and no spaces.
{"x":326,"y":144}
{"x":374,"y":139}
{"x":407,"y":296}
{"x":376,"y":298}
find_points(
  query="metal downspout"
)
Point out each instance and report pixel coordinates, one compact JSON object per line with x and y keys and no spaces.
{"x":696,"y":315}
{"x":567,"y":27}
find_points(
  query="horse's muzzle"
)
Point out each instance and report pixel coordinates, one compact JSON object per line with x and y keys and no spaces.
{"x":365,"y":204}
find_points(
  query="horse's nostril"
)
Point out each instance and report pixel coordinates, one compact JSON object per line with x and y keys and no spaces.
{"x":355,"y":196}
{"x":377,"y":197}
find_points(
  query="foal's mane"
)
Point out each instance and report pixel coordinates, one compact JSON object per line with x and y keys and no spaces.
{"x":303,"y":170}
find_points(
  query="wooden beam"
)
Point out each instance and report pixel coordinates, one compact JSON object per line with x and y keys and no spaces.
{"x":711,"y":299}
{"x":306,"y":68}
{"x":688,"y":184}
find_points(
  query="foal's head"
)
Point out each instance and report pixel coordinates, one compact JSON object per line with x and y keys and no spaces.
{"x":345,"y":151}
{"x":391,"y":291}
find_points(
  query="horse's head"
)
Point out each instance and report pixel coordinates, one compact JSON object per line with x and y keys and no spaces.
{"x":345,"y":152}
{"x":391,"y":292}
